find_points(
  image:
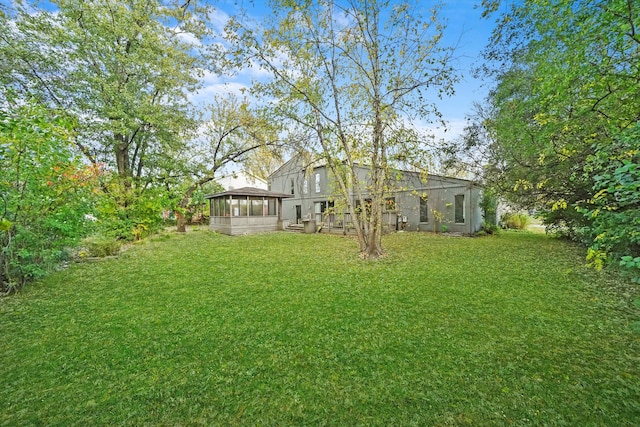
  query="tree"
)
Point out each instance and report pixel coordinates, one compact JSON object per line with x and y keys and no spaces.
{"x":230,"y":134}
{"x":353,"y":74}
{"x":263,"y":161}
{"x":614,"y":209}
{"x":567,"y":85}
{"x":46,"y":193}
{"x":122,"y":69}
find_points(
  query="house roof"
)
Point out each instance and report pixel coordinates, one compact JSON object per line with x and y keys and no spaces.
{"x":248,"y":191}
{"x":319,"y":163}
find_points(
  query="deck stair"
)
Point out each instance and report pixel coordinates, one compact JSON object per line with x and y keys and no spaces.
{"x":295,"y":228}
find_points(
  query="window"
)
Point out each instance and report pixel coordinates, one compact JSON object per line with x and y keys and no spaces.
{"x":305,"y":186}
{"x":390,"y":204}
{"x":243,"y":207}
{"x":317,"y":183}
{"x":459,"y":209}
{"x":235,"y":207}
{"x":256,"y":208}
{"x":272,"y":206}
{"x":293,"y":186}
{"x":424,"y":210}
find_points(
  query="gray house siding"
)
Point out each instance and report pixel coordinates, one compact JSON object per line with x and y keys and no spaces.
{"x":451,"y":203}
{"x":305,"y":185}
{"x":246,"y":210}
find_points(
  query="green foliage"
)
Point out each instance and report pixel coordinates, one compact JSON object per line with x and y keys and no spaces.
{"x":260,"y":330}
{"x":515,"y":220}
{"x":99,"y":246}
{"x":439,"y":218}
{"x":130,"y":213}
{"x":45,"y":193}
{"x":560,"y":126}
{"x":489,"y":206}
{"x":614,"y":209}
{"x":124,"y":71}
{"x":566,"y":80}
{"x":489,"y":228}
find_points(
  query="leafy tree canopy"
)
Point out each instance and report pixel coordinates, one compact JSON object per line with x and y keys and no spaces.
{"x":564,"y":109}
{"x":351,"y":75}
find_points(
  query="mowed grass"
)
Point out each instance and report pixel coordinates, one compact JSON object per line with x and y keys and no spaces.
{"x":291,"y":329}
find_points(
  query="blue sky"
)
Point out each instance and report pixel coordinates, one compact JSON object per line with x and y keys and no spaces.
{"x":466,"y":29}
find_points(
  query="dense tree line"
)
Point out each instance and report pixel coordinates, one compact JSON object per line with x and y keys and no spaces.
{"x":560,"y":131}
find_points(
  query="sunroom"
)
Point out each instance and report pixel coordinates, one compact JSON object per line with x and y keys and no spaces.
{"x":245,"y":211}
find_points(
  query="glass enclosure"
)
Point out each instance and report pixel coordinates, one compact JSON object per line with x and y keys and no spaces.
{"x":241,"y":206}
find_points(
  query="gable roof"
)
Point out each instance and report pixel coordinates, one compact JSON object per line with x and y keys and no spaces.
{"x":248,"y":191}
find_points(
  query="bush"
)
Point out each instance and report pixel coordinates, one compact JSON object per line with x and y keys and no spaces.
{"x":488,"y":228}
{"x":516,"y":220}
{"x":46,"y":193}
{"x":614,"y":209}
{"x":130,"y":213}
{"x":100,"y":246}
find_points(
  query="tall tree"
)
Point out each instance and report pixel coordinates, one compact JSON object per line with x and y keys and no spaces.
{"x":230,"y":134}
{"x":567,"y":91}
{"x":122,"y":68}
{"x":353,"y":73}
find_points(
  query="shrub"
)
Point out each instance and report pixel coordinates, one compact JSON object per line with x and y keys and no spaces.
{"x":489,"y":228}
{"x":46,"y":193}
{"x":101,"y":246}
{"x":614,"y":208}
{"x":516,"y":220}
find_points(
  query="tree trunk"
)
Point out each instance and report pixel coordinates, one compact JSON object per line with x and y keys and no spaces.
{"x":181,"y":222}
{"x":122,"y":156}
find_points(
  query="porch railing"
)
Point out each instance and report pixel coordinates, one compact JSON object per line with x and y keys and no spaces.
{"x":345,"y":221}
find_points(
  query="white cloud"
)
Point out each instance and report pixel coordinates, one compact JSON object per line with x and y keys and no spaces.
{"x":218,"y":20}
{"x":219,"y":88}
{"x":187,"y":37}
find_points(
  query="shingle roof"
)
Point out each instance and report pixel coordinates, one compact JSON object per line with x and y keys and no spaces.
{"x":248,"y":191}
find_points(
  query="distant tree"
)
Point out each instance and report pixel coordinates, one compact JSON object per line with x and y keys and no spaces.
{"x":230,"y":134}
{"x":353,"y":73}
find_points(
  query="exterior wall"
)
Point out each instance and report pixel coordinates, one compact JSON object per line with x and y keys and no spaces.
{"x":240,"y":179}
{"x":441,"y":199}
{"x":236,"y":226}
{"x":440,"y":191}
{"x":303,"y":195}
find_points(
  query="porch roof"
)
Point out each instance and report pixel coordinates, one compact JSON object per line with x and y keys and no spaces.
{"x":248,"y":191}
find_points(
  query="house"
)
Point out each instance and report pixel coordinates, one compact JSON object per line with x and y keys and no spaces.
{"x":245,"y":211}
{"x":241,"y":179}
{"x":437,"y":204}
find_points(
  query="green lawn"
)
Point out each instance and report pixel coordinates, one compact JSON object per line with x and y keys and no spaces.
{"x":292,"y":329}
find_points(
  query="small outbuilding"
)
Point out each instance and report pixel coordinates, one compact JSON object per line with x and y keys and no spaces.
{"x":245,"y":211}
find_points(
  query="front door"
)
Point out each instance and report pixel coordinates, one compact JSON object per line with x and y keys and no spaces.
{"x":298,"y":214}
